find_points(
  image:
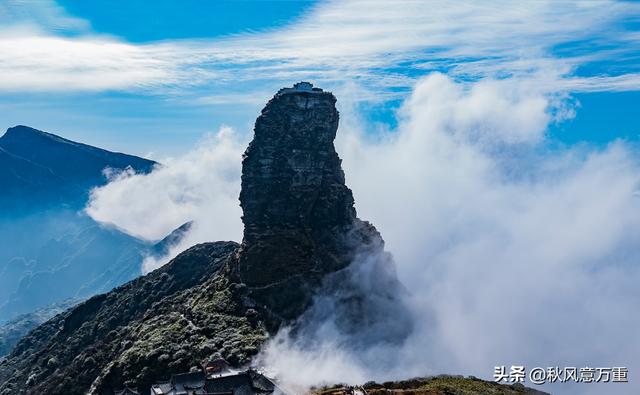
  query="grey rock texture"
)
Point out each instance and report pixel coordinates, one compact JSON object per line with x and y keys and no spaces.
{"x":217,"y":299}
{"x":299,"y":216}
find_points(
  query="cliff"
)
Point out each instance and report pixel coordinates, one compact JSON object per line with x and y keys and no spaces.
{"x":299,"y":218}
{"x":216,"y":299}
{"x":302,"y":242}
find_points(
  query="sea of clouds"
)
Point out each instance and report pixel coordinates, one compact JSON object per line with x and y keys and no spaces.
{"x":513,"y":251}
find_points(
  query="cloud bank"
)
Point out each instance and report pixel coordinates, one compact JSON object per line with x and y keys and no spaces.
{"x":202,"y":185}
{"x":513,"y":253}
{"x":383,"y":48}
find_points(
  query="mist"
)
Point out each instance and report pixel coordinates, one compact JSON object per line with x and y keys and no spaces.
{"x":201,"y":186}
{"x":511,"y":253}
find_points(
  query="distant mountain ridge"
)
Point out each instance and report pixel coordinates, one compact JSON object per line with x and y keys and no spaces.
{"x":12,"y":331}
{"x":42,"y":169}
{"x":78,"y":261}
{"x":49,"y":249}
{"x":223,"y":300}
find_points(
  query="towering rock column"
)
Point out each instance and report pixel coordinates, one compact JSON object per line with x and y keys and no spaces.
{"x":299,"y":216}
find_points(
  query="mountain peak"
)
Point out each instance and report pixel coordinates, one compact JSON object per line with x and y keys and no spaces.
{"x":291,"y":175}
{"x":43,"y":168}
{"x":22,"y":131}
{"x":19,"y":129}
{"x":221,"y":300}
{"x":299,"y":216}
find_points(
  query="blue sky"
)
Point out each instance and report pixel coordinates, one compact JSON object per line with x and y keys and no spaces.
{"x":136,"y":21}
{"x":154,"y":79}
{"x":495,"y":175}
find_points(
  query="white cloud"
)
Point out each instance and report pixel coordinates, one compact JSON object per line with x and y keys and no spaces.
{"x":489,"y":111}
{"x":203,"y":185}
{"x":512,"y":255}
{"x":44,"y":62}
{"x":382,"y":48}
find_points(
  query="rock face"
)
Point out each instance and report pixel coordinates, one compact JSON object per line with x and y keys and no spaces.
{"x":299,"y":216}
{"x":216,"y":299}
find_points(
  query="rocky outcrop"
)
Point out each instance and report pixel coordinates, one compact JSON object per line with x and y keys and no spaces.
{"x":299,"y":216}
{"x":219,"y":300}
